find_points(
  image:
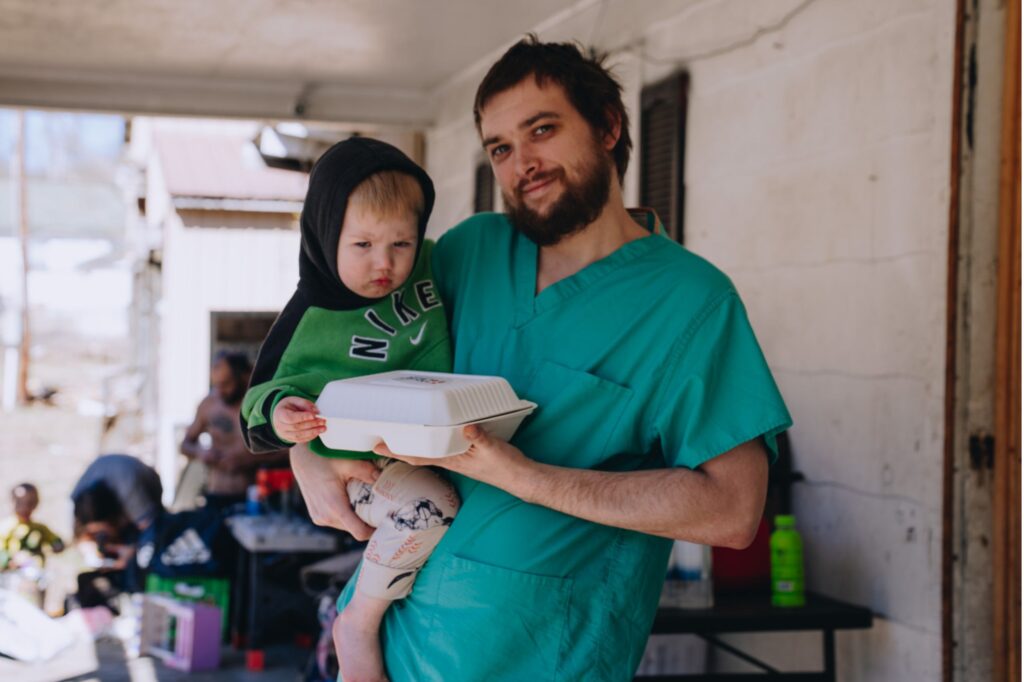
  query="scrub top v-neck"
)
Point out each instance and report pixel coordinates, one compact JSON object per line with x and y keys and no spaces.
{"x":529,"y":305}
{"x":644,"y":359}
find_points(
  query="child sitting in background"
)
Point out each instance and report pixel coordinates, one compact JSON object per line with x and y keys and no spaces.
{"x":23,"y":540}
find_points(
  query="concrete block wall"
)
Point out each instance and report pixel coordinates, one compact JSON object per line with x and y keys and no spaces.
{"x":817,"y":171}
{"x":818,"y":175}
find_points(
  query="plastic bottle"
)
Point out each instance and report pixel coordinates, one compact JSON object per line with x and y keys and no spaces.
{"x":787,"y":563}
{"x":688,"y":579}
{"x":253,"y":501}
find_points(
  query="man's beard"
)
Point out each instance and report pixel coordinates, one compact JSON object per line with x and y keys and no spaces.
{"x":580,"y":204}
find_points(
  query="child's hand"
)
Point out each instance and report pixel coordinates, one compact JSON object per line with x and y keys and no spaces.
{"x":125,"y":553}
{"x":297,"y":420}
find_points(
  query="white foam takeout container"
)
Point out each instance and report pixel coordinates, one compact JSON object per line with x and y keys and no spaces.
{"x":417,"y":413}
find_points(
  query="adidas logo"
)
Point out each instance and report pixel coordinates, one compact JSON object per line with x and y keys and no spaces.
{"x":189,"y":548}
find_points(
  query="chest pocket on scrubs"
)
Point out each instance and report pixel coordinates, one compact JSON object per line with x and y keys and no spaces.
{"x":483,"y":609}
{"x":578,"y":419}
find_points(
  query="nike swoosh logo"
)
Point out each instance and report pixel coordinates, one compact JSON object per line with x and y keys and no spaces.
{"x":419,"y":336}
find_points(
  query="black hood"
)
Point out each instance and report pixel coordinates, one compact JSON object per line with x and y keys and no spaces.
{"x":335,"y":175}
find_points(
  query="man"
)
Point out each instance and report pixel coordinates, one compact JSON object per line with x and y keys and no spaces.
{"x":231,"y":468}
{"x":657,"y":413}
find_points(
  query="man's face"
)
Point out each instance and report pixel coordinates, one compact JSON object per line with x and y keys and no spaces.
{"x":229,"y":387}
{"x":376,"y":253}
{"x":553,"y":170}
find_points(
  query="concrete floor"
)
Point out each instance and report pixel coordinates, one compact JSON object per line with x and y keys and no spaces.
{"x":105,"y":661}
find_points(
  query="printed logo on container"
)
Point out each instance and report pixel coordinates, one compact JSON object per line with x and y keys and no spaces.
{"x":433,"y":381}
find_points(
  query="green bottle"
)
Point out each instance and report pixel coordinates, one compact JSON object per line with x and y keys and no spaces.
{"x":787,"y":563}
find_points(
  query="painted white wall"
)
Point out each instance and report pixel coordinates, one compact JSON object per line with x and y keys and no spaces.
{"x":817,"y":170}
{"x":208,"y":270}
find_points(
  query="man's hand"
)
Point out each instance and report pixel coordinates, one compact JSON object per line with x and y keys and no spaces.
{"x":488,"y":459}
{"x":324,"y":485}
{"x":297,"y":420}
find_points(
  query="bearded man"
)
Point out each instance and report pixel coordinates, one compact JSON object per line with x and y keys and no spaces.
{"x":657,"y":412}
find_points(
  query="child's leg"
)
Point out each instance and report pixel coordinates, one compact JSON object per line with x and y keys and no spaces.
{"x":356,"y":634}
{"x":411,"y":508}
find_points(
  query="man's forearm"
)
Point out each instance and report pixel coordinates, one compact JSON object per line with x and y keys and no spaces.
{"x":720,"y":503}
{"x":674,"y":503}
{"x":722,"y":509}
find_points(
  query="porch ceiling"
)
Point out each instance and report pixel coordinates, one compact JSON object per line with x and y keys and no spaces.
{"x":361,"y":61}
{"x":329,"y":59}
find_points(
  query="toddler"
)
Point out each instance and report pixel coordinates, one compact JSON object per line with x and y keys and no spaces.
{"x":23,"y":540}
{"x":365,"y":303}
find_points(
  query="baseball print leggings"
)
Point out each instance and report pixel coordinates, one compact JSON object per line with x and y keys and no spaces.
{"x":411,"y":508}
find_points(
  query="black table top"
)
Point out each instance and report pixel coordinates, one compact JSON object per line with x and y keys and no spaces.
{"x":755,"y":613}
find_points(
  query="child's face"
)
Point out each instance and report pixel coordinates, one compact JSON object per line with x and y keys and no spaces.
{"x":375,"y":254}
{"x":25,"y":504}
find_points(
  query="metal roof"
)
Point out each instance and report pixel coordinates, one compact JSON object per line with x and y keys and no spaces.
{"x":223,"y":167}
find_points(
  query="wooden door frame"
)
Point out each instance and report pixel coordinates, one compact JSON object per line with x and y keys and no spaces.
{"x":1006,"y":566}
{"x":1001,"y":530}
{"x":952,"y":294}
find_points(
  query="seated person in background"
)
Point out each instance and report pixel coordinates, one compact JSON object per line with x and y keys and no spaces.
{"x":23,"y":540}
{"x":231,"y":468}
{"x":136,"y":490}
{"x":116,"y":498}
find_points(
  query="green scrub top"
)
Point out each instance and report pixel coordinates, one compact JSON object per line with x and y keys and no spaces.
{"x":643,"y":359}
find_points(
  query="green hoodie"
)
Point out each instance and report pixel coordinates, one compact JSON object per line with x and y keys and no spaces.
{"x":328,"y":332}
{"x":406,"y":330}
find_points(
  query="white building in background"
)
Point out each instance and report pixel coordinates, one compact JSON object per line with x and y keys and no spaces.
{"x":217,"y":258}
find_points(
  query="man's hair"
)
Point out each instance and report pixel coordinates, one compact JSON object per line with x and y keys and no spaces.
{"x":97,"y":503}
{"x":389,"y":194}
{"x":237,"y":362}
{"x":587,"y":83}
{"x":22,"y":489}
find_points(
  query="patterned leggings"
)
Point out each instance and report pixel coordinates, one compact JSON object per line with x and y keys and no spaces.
{"x":411,"y":508}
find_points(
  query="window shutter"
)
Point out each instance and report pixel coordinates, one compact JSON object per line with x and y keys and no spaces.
{"x":662,"y":137}
{"x":483,"y":189}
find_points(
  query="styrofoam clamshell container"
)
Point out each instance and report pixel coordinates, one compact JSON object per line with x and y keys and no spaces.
{"x":417,"y":413}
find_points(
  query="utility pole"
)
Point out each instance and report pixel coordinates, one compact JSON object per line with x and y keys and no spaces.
{"x":21,"y":201}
